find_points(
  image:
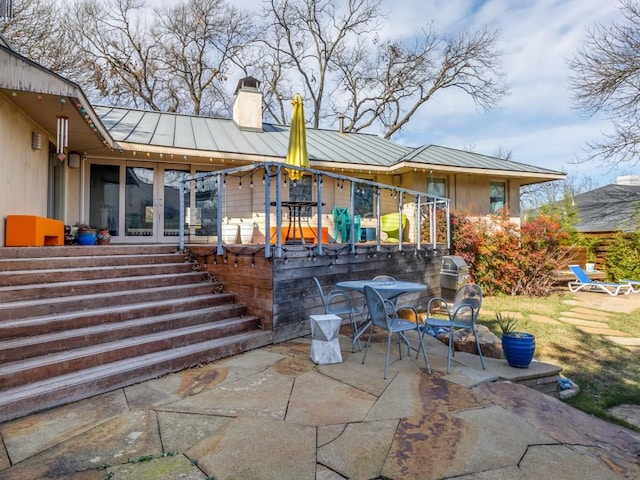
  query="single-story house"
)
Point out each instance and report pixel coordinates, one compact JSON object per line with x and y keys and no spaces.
{"x":119,"y":168}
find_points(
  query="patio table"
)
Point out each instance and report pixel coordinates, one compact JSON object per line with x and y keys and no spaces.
{"x":389,"y":290}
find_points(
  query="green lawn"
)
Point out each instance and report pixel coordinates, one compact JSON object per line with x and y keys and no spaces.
{"x":608,"y":375}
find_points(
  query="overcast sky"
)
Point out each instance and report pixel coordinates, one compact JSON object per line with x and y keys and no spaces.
{"x":536,"y":122}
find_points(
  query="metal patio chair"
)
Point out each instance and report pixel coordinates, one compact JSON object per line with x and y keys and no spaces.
{"x":464,"y":314}
{"x":337,"y":302}
{"x":384,"y":315}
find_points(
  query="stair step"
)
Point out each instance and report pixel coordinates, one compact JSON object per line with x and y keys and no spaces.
{"x":22,"y":348}
{"x":60,"y":363}
{"x":46,"y":262}
{"x":103,"y":285}
{"x":36,"y":396}
{"x":117,"y":313}
{"x":81,"y":251}
{"x":56,"y":275}
{"x":27,"y":308}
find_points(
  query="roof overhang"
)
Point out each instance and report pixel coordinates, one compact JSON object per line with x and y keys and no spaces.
{"x":43,"y":95}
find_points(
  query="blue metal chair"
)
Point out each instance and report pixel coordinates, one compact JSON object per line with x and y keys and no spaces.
{"x":384,"y":315}
{"x":466,"y":306}
{"x":337,"y":302}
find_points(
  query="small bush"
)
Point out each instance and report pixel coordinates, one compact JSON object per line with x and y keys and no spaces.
{"x":508,"y":258}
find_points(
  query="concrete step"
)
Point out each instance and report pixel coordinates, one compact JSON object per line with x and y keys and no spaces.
{"x":33,"y":369}
{"x":26,"y":399}
{"x":87,"y":261}
{"x":55,"y":275}
{"x":44,"y":324}
{"x":28,"y":308}
{"x":25,"y":347}
{"x":47,"y":291}
{"x":80,"y":251}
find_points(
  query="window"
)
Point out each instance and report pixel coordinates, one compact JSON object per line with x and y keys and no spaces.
{"x":301,"y":191}
{"x":497,"y":196}
{"x":437,"y":187}
{"x":363,"y":200}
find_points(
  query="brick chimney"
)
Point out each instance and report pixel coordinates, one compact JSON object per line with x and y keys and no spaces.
{"x":247,"y":109}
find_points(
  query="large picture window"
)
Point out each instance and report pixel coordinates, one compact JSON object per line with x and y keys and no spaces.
{"x":497,"y":196}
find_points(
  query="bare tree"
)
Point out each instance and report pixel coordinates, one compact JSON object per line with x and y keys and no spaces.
{"x":535,"y":196}
{"x":606,"y":78}
{"x":304,"y":38}
{"x":200,"y":40}
{"x":405,"y":75}
{"x":345,"y":70}
{"x":170,"y":58}
{"x":121,"y":54}
{"x":38,"y":31}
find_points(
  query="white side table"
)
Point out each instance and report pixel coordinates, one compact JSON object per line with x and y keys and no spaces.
{"x":325,"y":346}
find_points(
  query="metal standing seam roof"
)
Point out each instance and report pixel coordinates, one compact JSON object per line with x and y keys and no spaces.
{"x":224,"y":136}
{"x":437,"y":155}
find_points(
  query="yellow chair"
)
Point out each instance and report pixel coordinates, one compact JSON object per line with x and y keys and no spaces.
{"x":390,"y":225}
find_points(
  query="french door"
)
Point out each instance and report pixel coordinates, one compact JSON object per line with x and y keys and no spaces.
{"x":138,"y":202}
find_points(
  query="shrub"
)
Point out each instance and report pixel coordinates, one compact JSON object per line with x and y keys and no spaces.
{"x":507,"y":258}
{"x":623,"y":257}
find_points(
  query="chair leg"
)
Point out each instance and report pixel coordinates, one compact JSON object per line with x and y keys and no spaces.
{"x":354,"y":330}
{"x":424,"y":352}
{"x":386,"y":358}
{"x":475,"y":334}
{"x":450,"y":352}
{"x":366,"y":347}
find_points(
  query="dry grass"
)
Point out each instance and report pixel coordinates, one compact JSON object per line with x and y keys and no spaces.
{"x":608,"y":374}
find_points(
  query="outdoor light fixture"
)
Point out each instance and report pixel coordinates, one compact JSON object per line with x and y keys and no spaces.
{"x":36,"y":140}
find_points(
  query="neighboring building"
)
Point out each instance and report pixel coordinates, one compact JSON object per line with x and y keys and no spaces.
{"x":121,"y":166}
{"x":609,"y":209}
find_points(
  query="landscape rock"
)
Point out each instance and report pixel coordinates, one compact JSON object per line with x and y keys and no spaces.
{"x":464,"y":341}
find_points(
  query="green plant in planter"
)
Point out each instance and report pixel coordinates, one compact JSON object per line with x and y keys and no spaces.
{"x":518,"y":347}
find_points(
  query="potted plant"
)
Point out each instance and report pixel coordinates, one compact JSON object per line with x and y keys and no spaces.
{"x":518,"y":347}
{"x":87,"y":235}
{"x":103,"y":236}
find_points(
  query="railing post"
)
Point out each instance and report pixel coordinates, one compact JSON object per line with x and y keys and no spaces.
{"x":219,"y":187}
{"x":319,"y":198}
{"x":400,"y":229}
{"x":419,"y":223}
{"x":181,"y":226}
{"x":378,"y":221}
{"x":279,"y":211}
{"x":267,"y":213}
{"x":352,"y":225}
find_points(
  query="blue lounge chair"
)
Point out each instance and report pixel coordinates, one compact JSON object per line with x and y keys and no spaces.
{"x":584,"y":282}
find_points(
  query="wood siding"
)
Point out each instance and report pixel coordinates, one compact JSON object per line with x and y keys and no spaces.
{"x":283,"y":294}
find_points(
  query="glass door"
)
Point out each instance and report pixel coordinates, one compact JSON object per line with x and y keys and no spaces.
{"x":139,"y":202}
{"x":170,"y":201}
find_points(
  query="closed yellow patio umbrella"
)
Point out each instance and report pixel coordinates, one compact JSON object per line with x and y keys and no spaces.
{"x":297,"y":153}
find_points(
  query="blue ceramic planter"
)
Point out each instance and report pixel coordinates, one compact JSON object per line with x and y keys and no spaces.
{"x":518,"y":348}
{"x":87,"y":237}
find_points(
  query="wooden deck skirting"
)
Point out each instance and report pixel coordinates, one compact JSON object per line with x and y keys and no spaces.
{"x":281,"y":291}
